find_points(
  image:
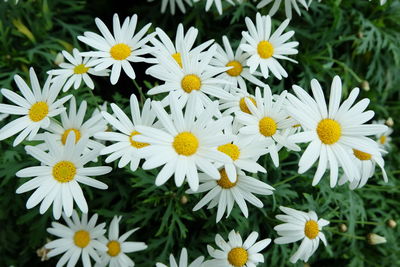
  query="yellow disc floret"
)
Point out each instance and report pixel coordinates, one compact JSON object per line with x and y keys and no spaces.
{"x":267,"y":126}
{"x":329,"y":131}
{"x":66,"y":133}
{"x":231,"y":150}
{"x":243,"y":106}
{"x":120,"y":51}
{"x":80,"y":69}
{"x":185,"y":143}
{"x":191,"y":82}
{"x":224,"y":181}
{"x":178,"y":58}
{"x":311,"y":229}
{"x":236,"y":70}
{"x":361,"y":155}
{"x":382,"y":139}
{"x":238,"y":257}
{"x":81,"y":238}
{"x":265,"y":49}
{"x":114,"y":248}
{"x":134,"y":143}
{"x":64,"y":171}
{"x":38,"y":111}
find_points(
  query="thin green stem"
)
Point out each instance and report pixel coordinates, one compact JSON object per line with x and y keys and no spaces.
{"x":358,"y":222}
{"x":95,"y":98}
{"x":286,"y":180}
{"x":140,"y":89}
{"x":346,"y":235}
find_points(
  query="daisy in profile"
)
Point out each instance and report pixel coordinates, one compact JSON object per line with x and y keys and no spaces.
{"x":195,"y":79}
{"x":238,"y":72}
{"x":183,"y":261}
{"x":288,"y":6}
{"x":383,"y":139}
{"x":77,"y":239}
{"x":332,"y":130}
{"x":224,"y":193}
{"x":235,"y":252}
{"x":172,"y":3}
{"x":117,"y":247}
{"x":266,"y":122}
{"x":218,"y":4}
{"x":187,"y":143}
{"x":117,"y":50}
{"x":74,"y":72}
{"x":73,"y":121}
{"x":236,"y":102}
{"x":124,"y":147}
{"x":36,"y":106}
{"x":265,"y":49}
{"x":56,"y":180}
{"x":299,"y":225}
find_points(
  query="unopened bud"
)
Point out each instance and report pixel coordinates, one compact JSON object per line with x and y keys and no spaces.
{"x":374,"y":239}
{"x":184,"y":199}
{"x":59,"y":59}
{"x":42,"y":252}
{"x":365,"y":85}
{"x":390,"y":122}
{"x":342,"y":227}
{"x":391,"y":223}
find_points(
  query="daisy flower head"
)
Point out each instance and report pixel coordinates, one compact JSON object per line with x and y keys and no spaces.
{"x":218,"y":4}
{"x":77,"y":239}
{"x":124,"y":147}
{"x":224,"y":193}
{"x":195,"y":79}
{"x":288,"y":6}
{"x":75,"y":71}
{"x":300,"y":225}
{"x":238,"y":72}
{"x":117,"y":246}
{"x":333,"y":130}
{"x":36,"y":106}
{"x":183,"y":261}
{"x":236,"y":102}
{"x":265,"y":49}
{"x":172,"y":3}
{"x":266,"y":122}
{"x":235,"y":252}
{"x":117,"y":50}
{"x":384,"y":139}
{"x":187,"y":143}
{"x":56,"y":180}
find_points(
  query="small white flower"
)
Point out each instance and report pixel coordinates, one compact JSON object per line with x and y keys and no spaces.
{"x":384,"y":139}
{"x":183,"y":261}
{"x":236,"y":102}
{"x":172,"y":3}
{"x":288,"y":6}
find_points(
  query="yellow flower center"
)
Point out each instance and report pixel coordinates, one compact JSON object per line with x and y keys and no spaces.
{"x":311,"y":229}
{"x":38,"y":111}
{"x":231,"y":150}
{"x":120,"y":51}
{"x":80,"y":69}
{"x":136,"y":144}
{"x":66,"y":133}
{"x":224,"y":181}
{"x":329,"y":131}
{"x":238,"y":257}
{"x":267,"y":126}
{"x":185,"y":143}
{"x":361,"y":155}
{"x":114,"y":248}
{"x":243,"y":106}
{"x":64,"y":171}
{"x":190,"y":82}
{"x":178,"y":59}
{"x":265,"y":49}
{"x":382,"y":139}
{"x":81,"y":238}
{"x":236,"y":70}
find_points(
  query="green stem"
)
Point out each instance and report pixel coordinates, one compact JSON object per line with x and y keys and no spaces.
{"x":286,"y":180}
{"x":142,"y":95}
{"x":95,"y":99}
{"x":358,"y":222}
{"x":347,"y":235}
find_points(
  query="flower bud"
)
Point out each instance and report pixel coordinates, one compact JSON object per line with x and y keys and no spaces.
{"x":184,"y":199}
{"x":374,"y":239}
{"x":365,"y":85}
{"x":59,"y":59}
{"x":42,"y":252}
{"x":342,"y":227}
{"x":389,"y":122}
{"x":391,"y":223}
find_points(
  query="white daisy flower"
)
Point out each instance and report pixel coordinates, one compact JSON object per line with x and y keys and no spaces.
{"x":125,"y":148}
{"x":194,"y":80}
{"x":119,"y":49}
{"x":56,"y":180}
{"x":36,"y":106}
{"x":77,"y":239}
{"x":238,"y":71}
{"x":74,"y":72}
{"x":74,"y":122}
{"x":225,"y":193}
{"x":333,"y":130}
{"x":383,"y":139}
{"x":218,"y":4}
{"x":236,"y":102}
{"x":237,"y":253}
{"x":267,"y":122}
{"x":117,"y":246}
{"x":365,"y":164}
{"x":186,"y":144}
{"x":265,"y":49}
{"x":172,"y":3}
{"x":288,"y":6}
{"x":300,"y":225}
{"x":183,"y":261}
